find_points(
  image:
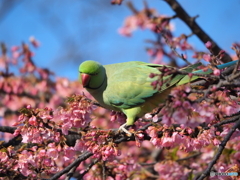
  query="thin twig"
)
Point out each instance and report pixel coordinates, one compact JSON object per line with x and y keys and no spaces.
{"x":227,"y":121}
{"x":198,"y":74}
{"x":220,"y":150}
{"x":104,"y":170}
{"x":93,"y":102}
{"x":71,"y":172}
{"x":80,"y":177}
{"x":173,"y":48}
{"x":189,"y":157}
{"x":81,"y":158}
{"x":232,"y":115}
{"x":196,"y":29}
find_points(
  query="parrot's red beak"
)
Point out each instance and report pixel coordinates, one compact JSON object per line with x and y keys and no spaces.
{"x":85,"y":79}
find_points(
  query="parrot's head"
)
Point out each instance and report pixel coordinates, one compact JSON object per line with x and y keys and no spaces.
{"x":92,"y":74}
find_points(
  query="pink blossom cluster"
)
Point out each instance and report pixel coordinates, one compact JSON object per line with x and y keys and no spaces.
{"x":122,"y":167}
{"x":100,"y":143}
{"x":30,"y":163}
{"x":144,"y":20}
{"x":182,"y":43}
{"x":40,"y":125}
{"x":36,"y":161}
{"x":32,"y":126}
{"x":157,"y":23}
{"x":76,"y":115}
{"x":138,"y":20}
{"x":185,"y":110}
{"x":32,"y":85}
{"x":185,"y":138}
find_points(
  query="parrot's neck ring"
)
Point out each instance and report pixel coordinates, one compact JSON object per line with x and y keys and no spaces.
{"x":99,"y":85}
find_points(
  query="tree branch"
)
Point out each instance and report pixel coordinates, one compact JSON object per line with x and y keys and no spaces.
{"x":220,"y":150}
{"x":81,"y":158}
{"x":7,"y":129}
{"x":196,"y":29}
{"x":88,"y":168}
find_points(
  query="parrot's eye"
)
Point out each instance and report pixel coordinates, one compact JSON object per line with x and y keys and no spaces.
{"x":91,"y":74}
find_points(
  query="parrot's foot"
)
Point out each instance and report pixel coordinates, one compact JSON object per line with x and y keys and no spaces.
{"x":122,"y":128}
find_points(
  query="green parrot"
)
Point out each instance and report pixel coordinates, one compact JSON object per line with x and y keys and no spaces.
{"x":127,"y":87}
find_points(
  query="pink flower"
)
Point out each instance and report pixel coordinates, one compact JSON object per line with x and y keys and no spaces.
{"x":197,"y":144}
{"x":171,"y":170}
{"x":166,"y":119}
{"x":186,"y":105}
{"x":208,"y":45}
{"x":34,"y":42}
{"x":69,"y":153}
{"x":148,"y":116}
{"x":80,"y":146}
{"x":207,"y":57}
{"x":25,"y":136}
{"x":125,"y":31}
{"x":28,"y":106}
{"x":158,"y":57}
{"x":65,"y":127}
{"x":130,"y":24}
{"x":152,"y":131}
{"x":14,"y":48}
{"x":16,"y":55}
{"x":24,"y":169}
{"x":116,"y":2}
{"x":122,"y":167}
{"x":155,"y":118}
{"x":216,"y":142}
{"x":21,"y":117}
{"x":177,"y":138}
{"x":167,"y":142}
{"x":216,"y":72}
{"x":33,"y":121}
{"x":48,"y":162}
{"x":180,"y":116}
{"x":42,"y":152}
{"x":156,"y":141}
{"x":177,"y":103}
{"x":140,"y":135}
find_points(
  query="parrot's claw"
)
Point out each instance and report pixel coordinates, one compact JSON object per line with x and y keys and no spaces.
{"x":122,"y":128}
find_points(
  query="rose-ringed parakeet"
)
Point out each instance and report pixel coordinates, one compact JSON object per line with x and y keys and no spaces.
{"x":127,"y":87}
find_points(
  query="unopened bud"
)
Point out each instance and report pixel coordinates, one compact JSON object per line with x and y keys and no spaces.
{"x":208,"y":45}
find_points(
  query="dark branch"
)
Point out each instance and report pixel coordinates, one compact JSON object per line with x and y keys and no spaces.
{"x":81,"y":158}
{"x":220,"y":150}
{"x":189,"y":157}
{"x":7,"y":129}
{"x":196,"y":29}
{"x":88,"y":168}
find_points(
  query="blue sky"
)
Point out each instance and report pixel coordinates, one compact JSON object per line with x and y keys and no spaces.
{"x":73,"y":31}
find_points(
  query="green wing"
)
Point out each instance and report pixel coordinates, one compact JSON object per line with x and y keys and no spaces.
{"x":129,"y":83}
{"x":173,"y":80}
